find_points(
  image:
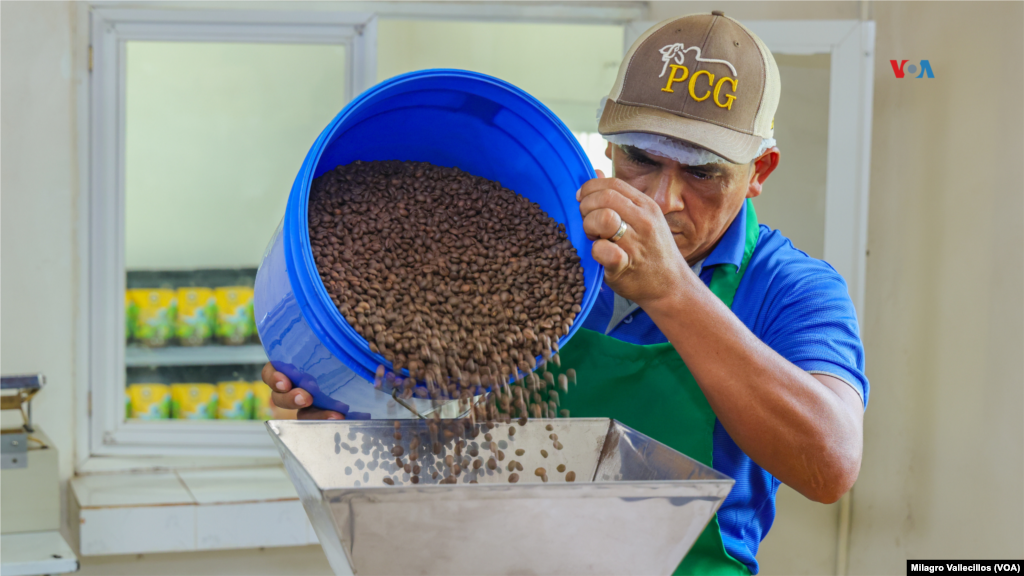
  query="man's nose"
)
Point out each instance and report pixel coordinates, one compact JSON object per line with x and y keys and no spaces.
{"x":668,"y":193}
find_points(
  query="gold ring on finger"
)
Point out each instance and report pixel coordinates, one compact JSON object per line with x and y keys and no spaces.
{"x":620,"y":232}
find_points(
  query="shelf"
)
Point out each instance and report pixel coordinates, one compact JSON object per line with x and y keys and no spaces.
{"x":212,"y":354}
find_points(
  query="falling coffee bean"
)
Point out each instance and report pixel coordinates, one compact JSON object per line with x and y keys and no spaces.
{"x":492,"y":463}
{"x":389,"y":481}
{"x":561,"y":468}
{"x":520,"y":451}
{"x":540,"y":472}
{"x":544,"y":453}
{"x":513,"y":478}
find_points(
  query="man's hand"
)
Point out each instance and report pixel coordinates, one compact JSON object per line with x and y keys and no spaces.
{"x":284,"y":396}
{"x":643,"y":265}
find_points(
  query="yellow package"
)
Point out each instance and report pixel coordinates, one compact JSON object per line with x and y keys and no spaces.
{"x":234,"y":400}
{"x":150,"y":401}
{"x":263,"y":407}
{"x":197,"y":316}
{"x":194,"y":401}
{"x":235,"y":322}
{"x":157,"y":310}
{"x":131,"y":316}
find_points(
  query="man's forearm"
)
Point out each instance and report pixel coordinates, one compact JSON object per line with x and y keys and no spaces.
{"x":802,"y":430}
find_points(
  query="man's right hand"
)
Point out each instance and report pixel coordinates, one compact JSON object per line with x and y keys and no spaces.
{"x":289,"y":398}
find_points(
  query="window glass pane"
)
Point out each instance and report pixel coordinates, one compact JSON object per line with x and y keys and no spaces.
{"x":568,"y":67}
{"x":793,"y":200}
{"x":214,"y":136}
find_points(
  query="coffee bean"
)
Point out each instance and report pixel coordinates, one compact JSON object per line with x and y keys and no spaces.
{"x":549,"y":427}
{"x":501,"y":455}
{"x":443,"y":273}
{"x":513,"y":478}
{"x":511,"y":431}
{"x":477,"y":463}
{"x":415,"y":479}
{"x":544,"y":478}
{"x":557,"y":445}
{"x":544,"y":453}
{"x":491,"y":463}
{"x":397,"y":451}
{"x":520,"y":451}
{"x":561,"y":468}
{"x":570,"y":477}
{"x":540,"y":472}
{"x":389,"y":481}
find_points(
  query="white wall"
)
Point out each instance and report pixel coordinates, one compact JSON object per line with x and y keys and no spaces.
{"x":38,"y":195}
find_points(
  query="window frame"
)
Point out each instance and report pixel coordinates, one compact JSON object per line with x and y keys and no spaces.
{"x":107,"y":431}
{"x":104,"y":442}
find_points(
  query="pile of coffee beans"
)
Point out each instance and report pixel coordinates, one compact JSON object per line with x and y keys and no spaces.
{"x":461,"y":285}
{"x":450,"y":276}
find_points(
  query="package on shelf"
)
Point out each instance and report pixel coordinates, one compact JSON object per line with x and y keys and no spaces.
{"x":156,"y":314}
{"x":194,"y":401}
{"x":197,"y":315}
{"x":235,"y":322}
{"x":131,"y":316}
{"x":235,"y":400}
{"x":149,"y":401}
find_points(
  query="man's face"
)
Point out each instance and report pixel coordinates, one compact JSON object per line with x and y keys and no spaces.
{"x":699,"y":202}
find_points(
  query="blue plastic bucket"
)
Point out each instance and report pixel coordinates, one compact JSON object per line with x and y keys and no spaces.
{"x":477,"y":123}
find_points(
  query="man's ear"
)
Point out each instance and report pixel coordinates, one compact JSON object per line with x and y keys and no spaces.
{"x":762,"y":167}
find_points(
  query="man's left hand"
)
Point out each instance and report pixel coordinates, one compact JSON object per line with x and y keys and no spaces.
{"x":644,"y":265}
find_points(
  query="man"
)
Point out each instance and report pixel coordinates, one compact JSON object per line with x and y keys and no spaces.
{"x":711,"y":333}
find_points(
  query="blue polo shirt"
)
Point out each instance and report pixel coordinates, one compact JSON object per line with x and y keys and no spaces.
{"x":797,"y":305}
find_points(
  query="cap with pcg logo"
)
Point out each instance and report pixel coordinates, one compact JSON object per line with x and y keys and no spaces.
{"x":704,"y":79}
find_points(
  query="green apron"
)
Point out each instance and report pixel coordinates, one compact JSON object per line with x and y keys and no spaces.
{"x":650,"y":389}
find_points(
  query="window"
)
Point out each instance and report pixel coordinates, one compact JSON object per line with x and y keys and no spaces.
{"x":200,"y":120}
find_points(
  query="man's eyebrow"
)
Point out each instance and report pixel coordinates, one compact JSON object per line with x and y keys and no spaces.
{"x":711,"y":168}
{"x":714,"y":168}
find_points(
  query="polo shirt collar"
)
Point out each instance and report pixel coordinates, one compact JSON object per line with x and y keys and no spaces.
{"x":730,"y":247}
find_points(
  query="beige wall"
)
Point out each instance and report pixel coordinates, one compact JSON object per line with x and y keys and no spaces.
{"x":38,"y":195}
{"x":943,"y":472}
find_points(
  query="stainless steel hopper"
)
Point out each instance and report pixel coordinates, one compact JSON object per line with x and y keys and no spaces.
{"x":636,"y":506}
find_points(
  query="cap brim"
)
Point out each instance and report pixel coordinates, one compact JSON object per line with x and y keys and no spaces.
{"x":734,"y":146}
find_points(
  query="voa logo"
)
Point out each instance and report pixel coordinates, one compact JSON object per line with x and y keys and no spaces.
{"x":903,"y":70}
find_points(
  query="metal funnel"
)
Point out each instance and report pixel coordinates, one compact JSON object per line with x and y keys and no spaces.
{"x":636,"y":506}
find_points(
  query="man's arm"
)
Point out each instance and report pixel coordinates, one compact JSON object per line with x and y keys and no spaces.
{"x":806,"y":430}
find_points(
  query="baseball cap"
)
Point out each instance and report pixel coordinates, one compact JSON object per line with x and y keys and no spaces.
{"x":704,"y":79}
